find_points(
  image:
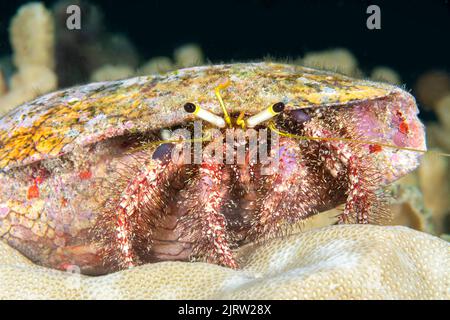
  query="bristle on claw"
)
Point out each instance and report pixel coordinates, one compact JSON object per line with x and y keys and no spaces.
{"x":204,"y":221}
{"x":347,"y":162}
{"x":142,"y":191}
{"x":138,"y":206}
{"x":288,"y":197}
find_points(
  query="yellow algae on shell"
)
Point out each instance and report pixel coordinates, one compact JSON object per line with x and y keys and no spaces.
{"x":55,"y":123}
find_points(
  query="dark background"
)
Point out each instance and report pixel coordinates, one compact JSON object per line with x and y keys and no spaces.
{"x":414,"y":36}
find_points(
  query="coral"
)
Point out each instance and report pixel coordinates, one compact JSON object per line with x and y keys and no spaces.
{"x":323,"y":219}
{"x":156,"y":65}
{"x":434,"y":181}
{"x":338,"y":262}
{"x":32,"y":36}
{"x":188,"y":55}
{"x":29,"y":82}
{"x":407,"y":206}
{"x":437,"y":136}
{"x":421,"y":199}
{"x":431,"y":87}
{"x":443,"y":111}
{"x":34,"y":79}
{"x":32,"y":40}
{"x":385,"y":74}
{"x":338,"y":60}
{"x":110,"y":72}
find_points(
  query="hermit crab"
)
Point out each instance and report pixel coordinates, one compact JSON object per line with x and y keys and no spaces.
{"x":192,"y":164}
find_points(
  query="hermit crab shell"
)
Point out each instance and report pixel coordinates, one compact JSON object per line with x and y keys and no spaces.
{"x":55,"y":124}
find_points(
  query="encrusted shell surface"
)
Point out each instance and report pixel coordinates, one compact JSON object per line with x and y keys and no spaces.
{"x":56,"y":123}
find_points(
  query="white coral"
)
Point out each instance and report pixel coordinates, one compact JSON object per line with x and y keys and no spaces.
{"x":337,"y":262}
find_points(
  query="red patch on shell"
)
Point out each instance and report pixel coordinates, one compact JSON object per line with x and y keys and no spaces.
{"x":403,"y":127}
{"x":33,"y":192}
{"x":85,"y":175}
{"x":401,"y":122}
{"x":375,"y":148}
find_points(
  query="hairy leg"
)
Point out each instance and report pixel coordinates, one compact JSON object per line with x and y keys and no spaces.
{"x":292,"y":193}
{"x":349,"y":163}
{"x":126,"y":226}
{"x":204,"y":223}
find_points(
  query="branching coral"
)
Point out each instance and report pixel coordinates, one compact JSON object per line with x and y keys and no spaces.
{"x":385,"y":74}
{"x":156,"y":65}
{"x":189,"y":55}
{"x":407,"y":207}
{"x":433,"y":90}
{"x":32,"y":39}
{"x":109,"y":73}
{"x":32,"y":36}
{"x":434,"y":180}
{"x":337,"y":60}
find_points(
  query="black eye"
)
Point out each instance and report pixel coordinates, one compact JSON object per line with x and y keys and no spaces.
{"x":189,"y":107}
{"x":278,"y":107}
